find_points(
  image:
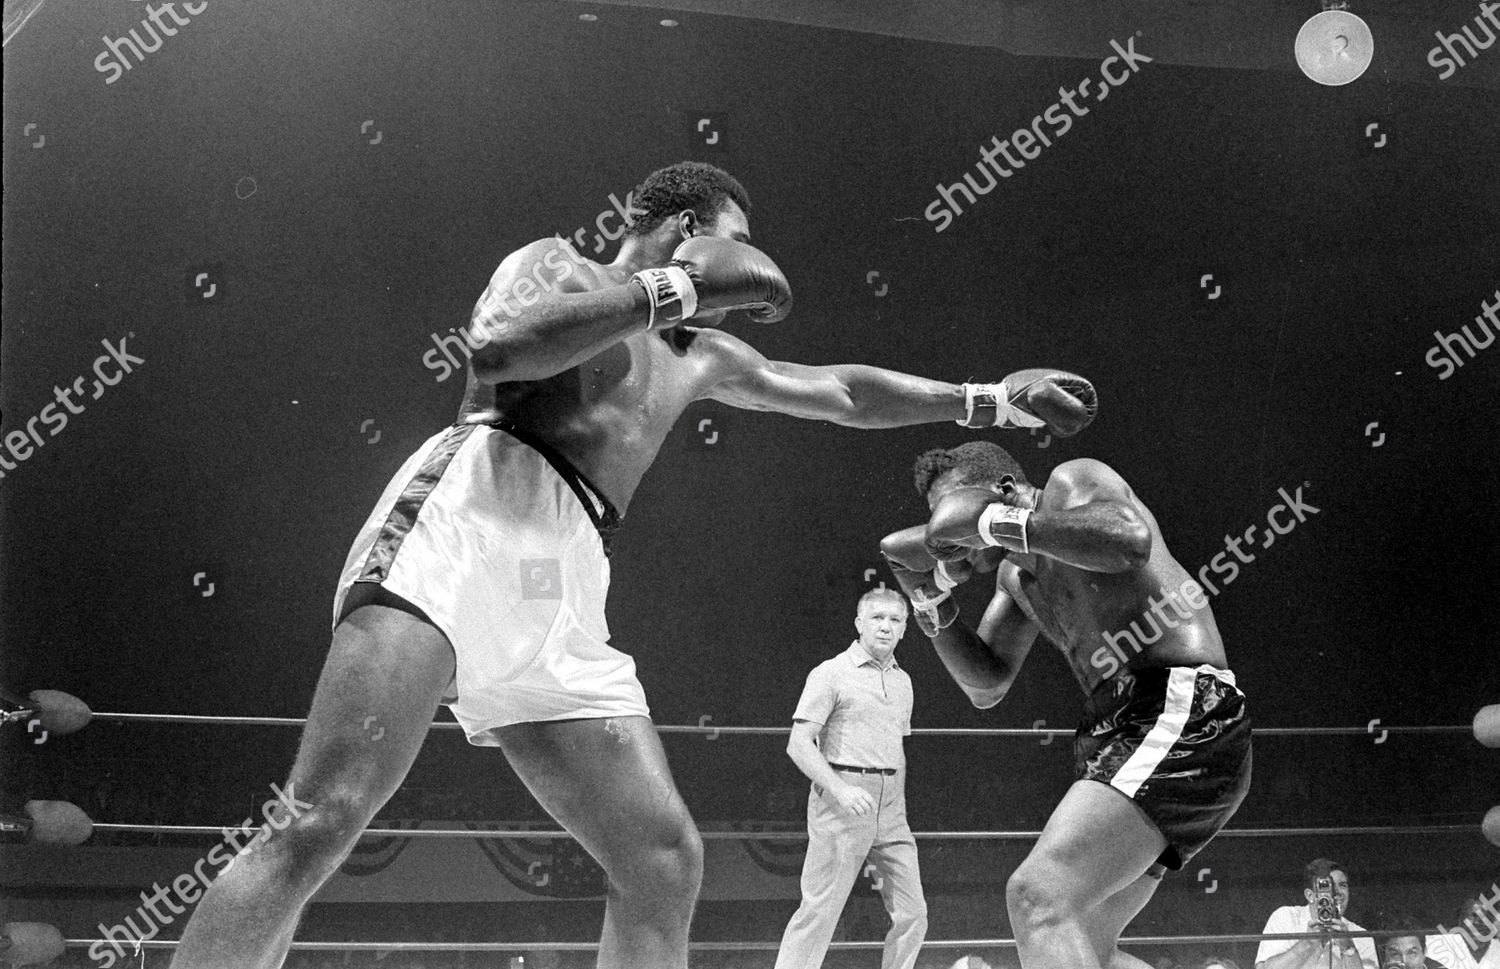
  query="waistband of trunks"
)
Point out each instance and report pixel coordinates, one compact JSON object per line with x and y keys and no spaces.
{"x":1128,"y":683}
{"x":600,"y":511}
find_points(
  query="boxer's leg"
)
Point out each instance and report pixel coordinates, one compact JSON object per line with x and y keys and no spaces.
{"x":607,"y":782}
{"x":1116,"y":912}
{"x":1097,"y":843}
{"x":376,"y":697}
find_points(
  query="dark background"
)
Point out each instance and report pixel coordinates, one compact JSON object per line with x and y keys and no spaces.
{"x":241,"y":448}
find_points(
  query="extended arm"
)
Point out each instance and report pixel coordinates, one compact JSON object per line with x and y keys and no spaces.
{"x":849,"y":394}
{"x":856,"y":395}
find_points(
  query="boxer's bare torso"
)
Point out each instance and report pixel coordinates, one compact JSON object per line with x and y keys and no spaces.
{"x":610,"y":414}
{"x":1088,"y":615}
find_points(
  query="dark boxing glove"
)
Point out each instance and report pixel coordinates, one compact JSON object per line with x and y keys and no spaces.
{"x":1063,"y":402}
{"x":708,"y":274}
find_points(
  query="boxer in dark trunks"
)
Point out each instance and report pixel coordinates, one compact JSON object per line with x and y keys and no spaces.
{"x":479,"y":580}
{"x":1163,"y":755}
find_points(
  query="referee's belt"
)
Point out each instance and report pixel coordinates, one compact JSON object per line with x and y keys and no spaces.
{"x":888,"y":771}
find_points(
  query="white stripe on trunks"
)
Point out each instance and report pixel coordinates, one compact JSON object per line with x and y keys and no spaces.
{"x":1168,"y":728}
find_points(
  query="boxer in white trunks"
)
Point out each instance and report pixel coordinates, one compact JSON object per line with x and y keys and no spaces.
{"x":480,"y":578}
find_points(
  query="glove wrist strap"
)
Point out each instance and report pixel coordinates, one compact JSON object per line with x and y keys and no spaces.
{"x":989,"y":405}
{"x":1004,"y":526}
{"x":925,"y":607}
{"x":981,"y":405}
{"x":670,"y":292}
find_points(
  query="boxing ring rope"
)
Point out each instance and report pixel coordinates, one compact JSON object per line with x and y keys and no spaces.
{"x":548,"y":835}
{"x":1373,"y":727}
{"x":703,"y":727}
{"x":771,"y":946}
{"x":479,"y":835}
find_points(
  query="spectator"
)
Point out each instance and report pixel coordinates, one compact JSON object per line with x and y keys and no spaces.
{"x":1475,"y":942}
{"x":1407,"y":950}
{"x":1332,"y":952}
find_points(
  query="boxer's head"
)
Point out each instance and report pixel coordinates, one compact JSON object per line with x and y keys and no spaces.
{"x":688,"y":199}
{"x":679,"y":202}
{"x":977,"y":464}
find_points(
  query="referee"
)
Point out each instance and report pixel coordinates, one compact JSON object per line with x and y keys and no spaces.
{"x":846,"y":737}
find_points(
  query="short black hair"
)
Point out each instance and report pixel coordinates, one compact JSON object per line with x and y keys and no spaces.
{"x":699,"y":186}
{"x":1405,"y":927}
{"x":1320,"y":868}
{"x":978,"y":462}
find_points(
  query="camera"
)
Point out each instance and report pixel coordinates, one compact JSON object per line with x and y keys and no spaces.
{"x":1325,"y":909}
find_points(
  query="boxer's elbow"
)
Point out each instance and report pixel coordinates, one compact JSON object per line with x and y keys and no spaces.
{"x":983,"y":698}
{"x":1123,"y":543}
{"x":504,"y":360}
{"x":491,"y":367}
{"x":907,"y":548}
{"x":1134,"y":541}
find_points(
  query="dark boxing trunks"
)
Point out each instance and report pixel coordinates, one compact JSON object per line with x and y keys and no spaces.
{"x":1175,"y":740}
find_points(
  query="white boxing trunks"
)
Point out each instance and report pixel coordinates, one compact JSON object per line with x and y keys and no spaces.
{"x":500,"y":542}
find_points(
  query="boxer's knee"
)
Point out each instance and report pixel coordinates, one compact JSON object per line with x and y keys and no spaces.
{"x":1033,"y":901}
{"x":310,"y":846}
{"x":665,"y":866}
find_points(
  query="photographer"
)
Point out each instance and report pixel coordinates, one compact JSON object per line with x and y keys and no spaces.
{"x":1325,"y":885}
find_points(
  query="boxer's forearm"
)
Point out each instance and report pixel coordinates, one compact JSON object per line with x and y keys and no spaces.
{"x":982,"y":677}
{"x":1100,"y":537}
{"x":878,"y":398}
{"x":556,"y":334}
{"x":965,"y":656}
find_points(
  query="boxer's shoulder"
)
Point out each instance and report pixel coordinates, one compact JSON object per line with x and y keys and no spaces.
{"x":556,"y":263}
{"x":1081,"y":480}
{"x":723,"y":355}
